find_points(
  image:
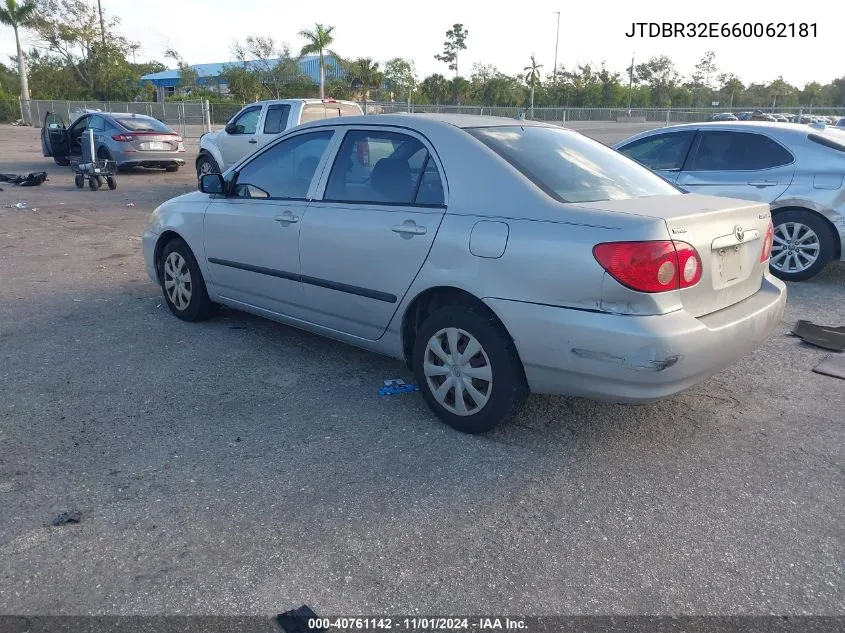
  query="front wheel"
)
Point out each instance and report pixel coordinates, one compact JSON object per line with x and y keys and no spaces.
{"x":206,"y":165}
{"x":182,"y":283}
{"x":802,"y":245}
{"x":468,"y":370}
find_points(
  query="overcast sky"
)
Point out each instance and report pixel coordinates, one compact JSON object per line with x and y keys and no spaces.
{"x":204,"y":30}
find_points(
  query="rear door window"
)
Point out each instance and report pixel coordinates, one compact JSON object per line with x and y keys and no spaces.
{"x":375,"y":166}
{"x":661,"y":151}
{"x":276,"y":120}
{"x":737,"y":151}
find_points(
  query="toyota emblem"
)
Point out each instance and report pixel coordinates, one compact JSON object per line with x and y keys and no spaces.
{"x":739,"y":233}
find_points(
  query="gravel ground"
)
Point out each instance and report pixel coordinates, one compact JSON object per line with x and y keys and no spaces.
{"x":243,"y":467}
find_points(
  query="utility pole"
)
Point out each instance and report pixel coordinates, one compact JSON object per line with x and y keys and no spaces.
{"x":103,"y":36}
{"x":557,"y":39}
{"x":630,"y":83}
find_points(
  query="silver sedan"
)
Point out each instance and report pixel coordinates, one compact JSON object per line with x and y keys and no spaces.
{"x":798,"y":170}
{"x":495,"y":257}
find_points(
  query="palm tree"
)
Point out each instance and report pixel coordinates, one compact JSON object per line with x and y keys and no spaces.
{"x":366,"y":72}
{"x":318,"y":41}
{"x":19,"y":16}
{"x":531,"y":76}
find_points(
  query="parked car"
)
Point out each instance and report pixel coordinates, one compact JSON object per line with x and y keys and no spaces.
{"x":797,"y":170}
{"x":130,"y":140}
{"x":495,"y":257}
{"x":258,"y":124}
{"x":744,"y":116}
{"x":758,"y":115}
{"x":724,"y":116}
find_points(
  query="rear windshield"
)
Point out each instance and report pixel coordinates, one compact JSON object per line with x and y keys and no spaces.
{"x":570,"y":167}
{"x":138,"y":124}
{"x":317,"y":111}
{"x":834,"y":139}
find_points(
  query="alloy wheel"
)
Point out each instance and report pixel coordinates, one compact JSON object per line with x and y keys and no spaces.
{"x":795,"y":248}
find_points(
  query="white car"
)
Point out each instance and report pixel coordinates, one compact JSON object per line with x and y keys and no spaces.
{"x":258,"y":124}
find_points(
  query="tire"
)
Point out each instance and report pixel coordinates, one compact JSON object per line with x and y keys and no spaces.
{"x":171,"y":169}
{"x":93,"y":183}
{"x":177,"y":256}
{"x":208,"y":163}
{"x":505,"y":392}
{"x":111,"y":181}
{"x":814,"y":240}
{"x":104,"y":154}
{"x":79,"y":181}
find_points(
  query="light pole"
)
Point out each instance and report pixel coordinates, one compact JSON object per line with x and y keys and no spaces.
{"x":630,"y":83}
{"x":557,"y":38}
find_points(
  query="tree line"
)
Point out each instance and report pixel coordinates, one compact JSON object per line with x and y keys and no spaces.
{"x":78,"y":56}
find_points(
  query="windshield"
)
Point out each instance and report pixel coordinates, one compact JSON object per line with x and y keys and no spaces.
{"x":143,"y":124}
{"x":570,"y":167}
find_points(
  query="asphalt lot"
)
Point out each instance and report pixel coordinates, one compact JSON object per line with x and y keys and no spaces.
{"x":243,"y":467}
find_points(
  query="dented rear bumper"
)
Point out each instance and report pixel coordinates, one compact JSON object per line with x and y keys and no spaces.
{"x":635,"y":359}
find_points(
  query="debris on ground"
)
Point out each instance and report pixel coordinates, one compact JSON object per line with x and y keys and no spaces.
{"x":297,"y":620}
{"x":832,"y":338}
{"x":394,"y":386}
{"x":74,"y":516}
{"x":130,"y":204}
{"x":833,"y":365}
{"x":30,"y":180}
{"x":17,"y":205}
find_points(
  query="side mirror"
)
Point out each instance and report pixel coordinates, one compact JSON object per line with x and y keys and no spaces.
{"x":211,"y":183}
{"x":231,"y":128}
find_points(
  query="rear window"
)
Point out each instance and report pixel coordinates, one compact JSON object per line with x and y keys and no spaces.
{"x":570,"y":167}
{"x":828,"y":140}
{"x":317,"y":111}
{"x":138,"y":124}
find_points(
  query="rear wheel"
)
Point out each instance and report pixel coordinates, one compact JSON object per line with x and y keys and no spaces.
{"x":79,"y":181}
{"x":93,"y":183}
{"x":802,"y":246}
{"x":467,"y":369}
{"x":206,"y":165}
{"x":111,"y":181}
{"x":182,"y":283}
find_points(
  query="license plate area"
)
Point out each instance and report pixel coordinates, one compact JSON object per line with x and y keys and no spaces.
{"x":729,"y":264}
{"x":156,"y":146}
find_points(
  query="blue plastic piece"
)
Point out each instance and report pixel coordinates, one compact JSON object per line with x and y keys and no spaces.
{"x":393,"y":387}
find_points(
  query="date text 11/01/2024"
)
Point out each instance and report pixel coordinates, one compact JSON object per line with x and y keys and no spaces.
{"x":418,"y":624}
{"x":723,"y":29}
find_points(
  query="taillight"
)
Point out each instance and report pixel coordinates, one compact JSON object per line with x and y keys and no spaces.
{"x":767,"y":243}
{"x":654,"y":266}
{"x":123,"y":138}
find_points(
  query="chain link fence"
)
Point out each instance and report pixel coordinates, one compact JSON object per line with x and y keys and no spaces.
{"x":192,"y":118}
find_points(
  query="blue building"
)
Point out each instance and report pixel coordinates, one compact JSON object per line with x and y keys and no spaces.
{"x":210,"y":76}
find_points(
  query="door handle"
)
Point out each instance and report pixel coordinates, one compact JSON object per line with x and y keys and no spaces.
{"x":253,"y":141}
{"x":286,"y":218}
{"x":409,"y":230}
{"x":763,"y":183}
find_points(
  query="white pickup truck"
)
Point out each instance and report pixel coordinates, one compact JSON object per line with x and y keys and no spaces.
{"x":259,"y":123}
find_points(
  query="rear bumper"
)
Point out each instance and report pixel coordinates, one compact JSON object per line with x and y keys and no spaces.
{"x":635,"y":359}
{"x":149,"y":159}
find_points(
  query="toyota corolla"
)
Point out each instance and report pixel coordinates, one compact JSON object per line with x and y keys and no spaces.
{"x":495,"y":257}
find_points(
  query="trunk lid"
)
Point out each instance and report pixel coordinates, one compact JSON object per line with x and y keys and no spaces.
{"x":728,"y":235}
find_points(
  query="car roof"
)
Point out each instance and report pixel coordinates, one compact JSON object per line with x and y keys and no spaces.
{"x":327,"y":100}
{"x":423,"y":120}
